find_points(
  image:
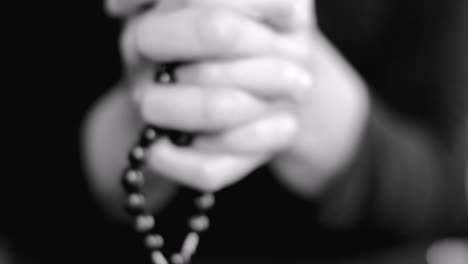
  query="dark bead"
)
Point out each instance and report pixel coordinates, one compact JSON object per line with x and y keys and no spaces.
{"x":165,"y":74}
{"x":144,"y":223}
{"x":148,"y":136}
{"x":154,"y":242}
{"x":205,"y":202}
{"x":181,"y":139}
{"x":199,"y":223}
{"x":190,"y":245}
{"x":135,"y":204}
{"x":137,"y":157}
{"x":133,"y":181}
{"x":157,"y":257}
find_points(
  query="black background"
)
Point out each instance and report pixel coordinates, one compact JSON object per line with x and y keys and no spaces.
{"x":61,"y":56}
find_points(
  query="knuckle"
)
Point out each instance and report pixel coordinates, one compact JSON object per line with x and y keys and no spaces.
{"x":288,"y":126}
{"x":217,"y":30}
{"x":286,"y":72}
{"x":217,"y":108}
{"x":294,"y":77}
{"x":277,"y":132}
{"x":262,"y":131}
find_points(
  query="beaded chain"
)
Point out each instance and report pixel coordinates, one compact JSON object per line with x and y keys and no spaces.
{"x":133,"y":181}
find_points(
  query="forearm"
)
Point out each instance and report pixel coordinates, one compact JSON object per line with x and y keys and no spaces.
{"x":405,"y":180}
{"x":333,"y":122}
{"x":110,"y":129}
{"x":396,"y":174}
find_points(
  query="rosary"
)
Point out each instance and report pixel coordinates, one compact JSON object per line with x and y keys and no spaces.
{"x":133,"y":181}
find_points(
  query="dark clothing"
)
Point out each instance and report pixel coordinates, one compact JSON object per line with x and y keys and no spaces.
{"x":414,"y":58}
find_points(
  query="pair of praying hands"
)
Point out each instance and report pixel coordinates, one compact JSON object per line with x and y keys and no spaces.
{"x":261,"y":85}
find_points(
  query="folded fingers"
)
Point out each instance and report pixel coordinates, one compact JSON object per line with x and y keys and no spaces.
{"x":195,"y":108}
{"x":267,"y":77}
{"x":284,"y":14}
{"x":200,"y":33}
{"x":200,"y":170}
{"x":270,"y":135}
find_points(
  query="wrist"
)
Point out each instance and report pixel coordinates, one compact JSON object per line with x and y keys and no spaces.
{"x":332,"y":123}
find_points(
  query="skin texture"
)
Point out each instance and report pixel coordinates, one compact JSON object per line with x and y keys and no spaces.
{"x":264,"y":86}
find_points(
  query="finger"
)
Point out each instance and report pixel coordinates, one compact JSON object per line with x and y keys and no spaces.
{"x":201,"y":33}
{"x":283,"y":14}
{"x":193,"y":108}
{"x":267,"y":77}
{"x":267,"y":135}
{"x":206,"y":172}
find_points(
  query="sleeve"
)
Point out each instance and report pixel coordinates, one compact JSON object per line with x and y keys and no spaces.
{"x":409,"y":175}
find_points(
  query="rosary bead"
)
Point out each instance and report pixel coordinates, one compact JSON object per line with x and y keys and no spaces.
{"x":144,"y":223}
{"x":148,"y":136}
{"x":165,"y":78}
{"x":137,"y":157}
{"x":133,"y":181}
{"x":199,"y":223}
{"x":189,"y":247}
{"x":154,"y":241}
{"x":135,"y":204}
{"x":205,"y":201}
{"x":181,"y":139}
{"x":158,"y":258}
{"x":165,"y":74}
{"x":178,"y":259}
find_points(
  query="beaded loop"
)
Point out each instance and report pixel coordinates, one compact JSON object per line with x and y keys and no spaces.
{"x":135,"y":204}
{"x":148,"y":135}
{"x":158,"y":258}
{"x":133,"y":181}
{"x":190,"y":244}
{"x":199,"y":223}
{"x":144,"y":223}
{"x":154,"y":242}
{"x":205,"y":202}
{"x":136,"y":157}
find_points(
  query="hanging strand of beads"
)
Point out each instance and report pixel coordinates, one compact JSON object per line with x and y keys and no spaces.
{"x":133,"y":181}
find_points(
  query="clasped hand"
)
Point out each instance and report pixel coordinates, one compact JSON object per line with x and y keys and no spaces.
{"x":261,"y":85}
